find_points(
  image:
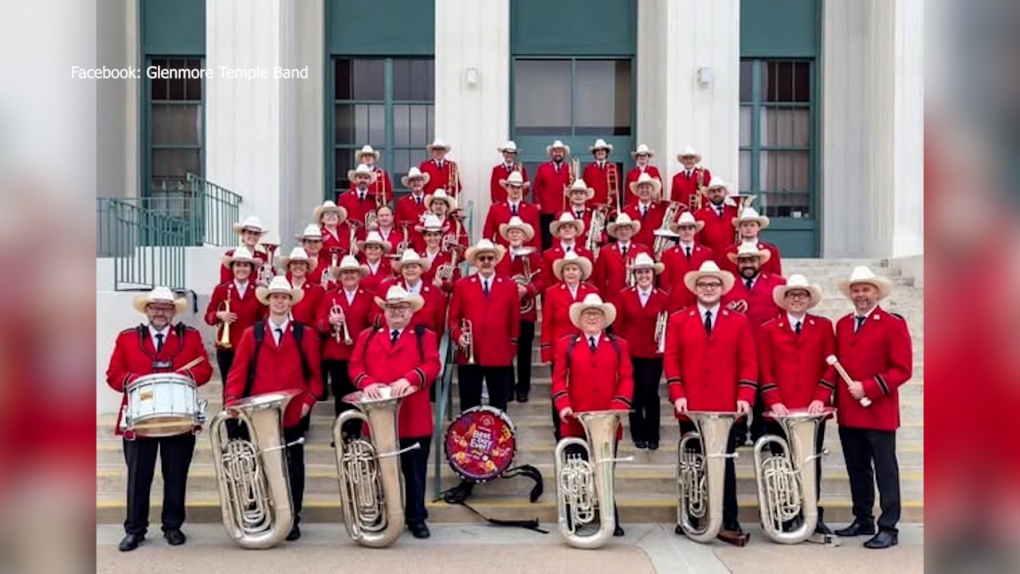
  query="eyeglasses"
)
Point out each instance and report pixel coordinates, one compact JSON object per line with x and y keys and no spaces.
{"x":798,"y":295}
{"x":708,"y":285}
{"x":486,"y":258}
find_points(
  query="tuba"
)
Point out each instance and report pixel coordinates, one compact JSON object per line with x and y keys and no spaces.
{"x":252,"y":472}
{"x":700,"y":474}
{"x":584,"y":483}
{"x":371,"y":485}
{"x":786,"y":481}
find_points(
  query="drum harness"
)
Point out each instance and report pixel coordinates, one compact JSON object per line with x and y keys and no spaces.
{"x":159,"y":366}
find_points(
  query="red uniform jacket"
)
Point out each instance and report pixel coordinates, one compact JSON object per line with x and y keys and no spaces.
{"x":227,"y":274}
{"x":450,"y":227}
{"x":439,"y":177}
{"x":649,"y":223}
{"x":684,"y":187}
{"x":632,"y":176}
{"x":595,"y":178}
{"x":636,"y":324}
{"x":495,"y":320}
{"x":356,"y":208}
{"x":549,"y":256}
{"x":712,"y":372}
{"x":773,"y":266}
{"x":321,"y":267}
{"x":409,"y":210}
{"x":382,"y":183}
{"x":497,"y":193}
{"x":556,"y":315}
{"x":372,"y":281}
{"x":792,"y":368}
{"x":594,"y":381}
{"x":718,"y":233}
{"x":880,"y":355}
{"x":308,"y":306}
{"x":510,"y":266}
{"x":585,"y":216}
{"x":376,"y":360}
{"x":500,"y":213}
{"x":341,"y":242}
{"x":356,"y":316}
{"x":441,"y":258}
{"x":133,"y":357}
{"x":549,"y":185}
{"x":610,"y":274}
{"x":247,"y":308}
{"x":278,"y":369}
{"x":432,"y":315}
{"x":677,"y":265}
{"x":760,"y":305}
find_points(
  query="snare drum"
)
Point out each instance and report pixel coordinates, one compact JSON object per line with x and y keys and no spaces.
{"x":162,"y":404}
{"x":480,"y":444}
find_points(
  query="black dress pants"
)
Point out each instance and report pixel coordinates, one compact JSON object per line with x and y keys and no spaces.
{"x":224,"y":360}
{"x":175,"y":454}
{"x":870,"y":455}
{"x":470,"y":379}
{"x":555,"y":413}
{"x":644,"y":419}
{"x":522,"y":384}
{"x":414,"y":465}
{"x":730,"y":508}
{"x":296,"y":465}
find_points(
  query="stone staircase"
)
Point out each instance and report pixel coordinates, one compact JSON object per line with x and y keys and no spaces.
{"x":645,"y":487}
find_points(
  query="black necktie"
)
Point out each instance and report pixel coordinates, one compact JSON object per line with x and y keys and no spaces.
{"x":623,"y":250}
{"x":860,"y":321}
{"x":644,"y":211}
{"x":749,"y":283}
{"x":569,"y":248}
{"x":393,"y":336}
{"x":591,"y":343}
{"x":418,"y":200}
{"x":279,"y":336}
{"x":514,"y":208}
{"x":688,"y":253}
{"x":159,"y":342}
{"x":718,"y":210}
{"x":361,"y":196}
{"x":485,"y":287}
{"x":796,"y":328}
{"x":708,"y":322}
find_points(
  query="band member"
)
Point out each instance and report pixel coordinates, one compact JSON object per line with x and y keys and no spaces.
{"x":647,"y":209}
{"x":502,"y":172}
{"x":444,"y":207}
{"x":793,"y":374}
{"x":158,"y":346}
{"x":750,"y":225}
{"x":579,"y":195}
{"x":642,"y":164}
{"x":570,"y":272}
{"x":405,"y":359}
{"x":687,"y":255}
{"x":592,"y":372}
{"x":382,"y":186}
{"x":283,"y":357}
{"x":513,"y":206}
{"x":443,"y":173}
{"x":297,"y":267}
{"x":336,"y":230}
{"x":566,"y":230}
{"x":612,"y":268}
{"x":711,"y":365}
{"x":485,"y":321}
{"x":641,"y":309}
{"x":690,"y":180}
{"x":233,"y":306}
{"x":411,"y":208}
{"x":442,"y":273}
{"x":718,"y":215}
{"x":385,"y":227}
{"x":311,"y":241}
{"x":359,"y":201}
{"x":523,"y":262}
{"x":595,"y":173}
{"x":409,"y":270}
{"x":551,"y":179}
{"x":875,"y":349}
{"x":376,"y":267}
{"x":250,"y":231}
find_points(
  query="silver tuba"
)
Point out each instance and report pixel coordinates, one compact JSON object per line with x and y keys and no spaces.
{"x":584,"y":487}
{"x":700,"y":475}
{"x":371,"y":485}
{"x":786,"y":481}
{"x":252,"y":473}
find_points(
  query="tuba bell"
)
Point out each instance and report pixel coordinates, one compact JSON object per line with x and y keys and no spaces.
{"x":252,"y":472}
{"x":700,"y":475}
{"x":584,"y":483}
{"x":371,"y":485}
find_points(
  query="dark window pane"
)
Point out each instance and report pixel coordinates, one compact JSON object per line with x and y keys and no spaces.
{"x":431,"y":123}
{"x":602,"y":96}
{"x":176,"y":84}
{"x":542,"y":97}
{"x":746,"y":81}
{"x":789,"y":82}
{"x":402,"y":125}
{"x":344,"y":162}
{"x":369,"y":80}
{"x":428,"y":75}
{"x":176,"y":124}
{"x":376,"y":126}
{"x":193,"y":86}
{"x":766,"y":78}
{"x":413,"y":80}
{"x":157,"y":87}
{"x":401,"y":164}
{"x":344,"y":127}
{"x":175,"y":162}
{"x":342,"y":78}
{"x":792,"y":204}
{"x":802,"y":82}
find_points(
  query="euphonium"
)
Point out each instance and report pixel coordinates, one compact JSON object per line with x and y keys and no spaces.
{"x":786,"y":481}
{"x":225,"y":335}
{"x":524,"y":279}
{"x":371,"y":485}
{"x":584,"y":483}
{"x":252,"y":472}
{"x":700,"y":475}
{"x":665,"y":233}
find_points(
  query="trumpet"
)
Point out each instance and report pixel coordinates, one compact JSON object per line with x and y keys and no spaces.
{"x":267,"y":271}
{"x":660,"y":331}
{"x":465,"y":327}
{"x":353,"y":225}
{"x":336,"y":309}
{"x":225,"y":335}
{"x":700,"y":474}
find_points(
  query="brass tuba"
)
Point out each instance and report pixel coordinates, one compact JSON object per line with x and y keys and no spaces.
{"x":371,"y":485}
{"x":700,"y":475}
{"x":252,"y":472}
{"x":584,"y":483}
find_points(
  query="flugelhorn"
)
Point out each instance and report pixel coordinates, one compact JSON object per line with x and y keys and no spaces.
{"x":341,"y":330}
{"x":700,"y":475}
{"x":225,"y":334}
{"x":466,"y":329}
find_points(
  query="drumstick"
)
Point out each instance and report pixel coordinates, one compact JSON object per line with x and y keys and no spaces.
{"x":191,"y":364}
{"x":832,"y":360}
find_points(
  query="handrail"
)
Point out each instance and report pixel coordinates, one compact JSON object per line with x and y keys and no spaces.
{"x":147,"y":246}
{"x":219,"y":207}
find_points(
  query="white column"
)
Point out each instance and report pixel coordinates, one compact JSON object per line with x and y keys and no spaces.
{"x":907,"y":31}
{"x":676,"y":38}
{"x":474,"y":119}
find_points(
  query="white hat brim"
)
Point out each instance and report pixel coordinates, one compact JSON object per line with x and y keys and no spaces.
{"x":398,"y":264}
{"x":883,"y":284}
{"x":529,"y":231}
{"x":405,"y":180}
{"x":780,"y":291}
{"x":655,"y":183}
{"x":589,"y":192}
{"x":140,"y":302}
{"x":725,"y":276}
{"x":263,"y":293}
{"x":353,"y":172}
{"x":583,"y":262}
{"x":416,"y":302}
{"x":554,"y":227}
{"x":564,"y":147}
{"x":505,"y":183}
{"x":657,"y":268}
{"x":239,"y":229}
{"x":577,"y":309}
{"x":763,"y":221}
{"x":635,"y":153}
{"x":386,"y":245}
{"x":612,"y":227}
{"x":763,"y":256}
{"x":451,"y":202}
{"x":319,"y":211}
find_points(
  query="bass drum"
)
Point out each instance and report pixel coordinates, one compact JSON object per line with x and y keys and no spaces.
{"x":480,"y":444}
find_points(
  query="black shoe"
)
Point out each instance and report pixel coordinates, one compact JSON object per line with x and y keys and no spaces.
{"x":175,"y":537}
{"x":130,"y":542}
{"x":822,"y":528}
{"x":641,"y":444}
{"x":858,"y":528}
{"x":618,"y":532}
{"x":295,"y":533}
{"x":884,"y":539}
{"x":653,"y":445}
{"x":419,"y":530}
{"x":522,"y":397}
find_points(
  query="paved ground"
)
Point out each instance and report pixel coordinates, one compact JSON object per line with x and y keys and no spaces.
{"x":453,"y":548}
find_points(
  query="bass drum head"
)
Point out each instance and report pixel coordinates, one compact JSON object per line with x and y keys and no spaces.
{"x":480,"y":444}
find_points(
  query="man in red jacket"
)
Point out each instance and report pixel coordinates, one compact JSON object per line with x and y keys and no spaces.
{"x":282,"y":360}
{"x":875,"y":349}
{"x":525,"y":262}
{"x":358,"y":201}
{"x":592,"y":372}
{"x":411,"y":208}
{"x":612,"y":267}
{"x":565,"y":232}
{"x":513,"y":206}
{"x":551,"y":179}
{"x":692,"y":179}
{"x":686,"y":256}
{"x":718,"y":214}
{"x":443,"y":173}
{"x":647,"y":209}
{"x":382,"y":186}
{"x":594,"y":173}
{"x":749,"y":225}
{"x":409,"y":270}
{"x":404,"y":360}
{"x":642,"y":160}
{"x":233,"y":306}
{"x":502,"y":172}
{"x":158,"y":347}
{"x":711,"y":365}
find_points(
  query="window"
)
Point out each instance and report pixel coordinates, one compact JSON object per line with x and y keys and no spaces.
{"x":175,"y":125}
{"x":386,"y":103}
{"x":572,"y":97}
{"x":777,"y":136}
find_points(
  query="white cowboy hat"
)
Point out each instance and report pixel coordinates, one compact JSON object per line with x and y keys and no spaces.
{"x":863,"y":274}
{"x":396,"y":295}
{"x":592,"y":301}
{"x":253,"y":223}
{"x":687,"y":218}
{"x":298,"y":254}
{"x":645,"y":178}
{"x":566,"y":218}
{"x":645,"y":261}
{"x":509,"y":146}
{"x":349,"y":263}
{"x":579,"y":185}
{"x":312,"y":231}
{"x":373,"y":238}
{"x":709,"y":269}
{"x":414,"y":173}
{"x":718,"y":182}
{"x":366,"y":150}
{"x":557,"y":145}
{"x":688,"y":152}
{"x":797,"y":282}
{"x":440,"y":195}
{"x":159,"y":295}
{"x":408,"y":257}
{"x":517,"y":223}
{"x":430,"y":223}
{"x":241,"y":255}
{"x":642,"y":149}
{"x":279,"y":284}
{"x":750,"y":250}
{"x":438,"y":144}
{"x":750,"y":214}
{"x":483,"y":246}
{"x":601,"y":144}
{"x":622,"y":220}
{"x":270,"y":239}
{"x":362,"y":169}
{"x":515,"y":178}
{"x":327,"y":207}
{"x":572,"y":258}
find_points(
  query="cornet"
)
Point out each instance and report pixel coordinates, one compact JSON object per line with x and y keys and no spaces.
{"x":700,"y":474}
{"x":336,"y":309}
{"x":465,"y":327}
{"x":225,"y":335}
